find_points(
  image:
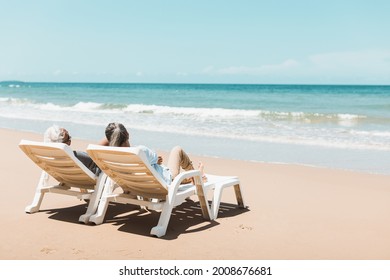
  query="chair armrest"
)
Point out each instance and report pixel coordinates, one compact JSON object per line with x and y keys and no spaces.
{"x":196,"y":174}
{"x":185,"y":175}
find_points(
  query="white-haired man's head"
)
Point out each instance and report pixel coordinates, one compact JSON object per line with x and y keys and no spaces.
{"x":57,"y":134}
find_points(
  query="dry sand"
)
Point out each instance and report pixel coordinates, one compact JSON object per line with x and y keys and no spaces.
{"x":295,"y":212}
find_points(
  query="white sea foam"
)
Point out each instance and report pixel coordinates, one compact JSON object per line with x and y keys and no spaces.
{"x":371,"y":133}
{"x":13,"y":101}
{"x":197,"y":113}
{"x":314,"y":129}
{"x":190,"y":111}
{"x":48,"y":106}
{"x":349,"y":116}
{"x":86,"y":106}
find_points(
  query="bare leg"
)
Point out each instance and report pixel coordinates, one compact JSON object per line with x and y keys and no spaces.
{"x":179,"y":159}
{"x":201,"y":169}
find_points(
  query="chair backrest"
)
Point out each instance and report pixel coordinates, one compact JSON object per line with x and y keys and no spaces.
{"x":130,"y":169}
{"x":59,"y":161}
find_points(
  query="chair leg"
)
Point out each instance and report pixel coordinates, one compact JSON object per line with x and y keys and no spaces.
{"x":216,"y":200}
{"x":162,"y":225}
{"x":98,"y":218}
{"x":204,"y":205}
{"x":218,"y":195}
{"x":239,"y":196}
{"x":103,"y":202}
{"x":36,"y":204}
{"x":39,"y":194}
{"x":95,"y":199}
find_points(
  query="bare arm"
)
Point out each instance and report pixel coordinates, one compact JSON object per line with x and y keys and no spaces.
{"x":103,"y":142}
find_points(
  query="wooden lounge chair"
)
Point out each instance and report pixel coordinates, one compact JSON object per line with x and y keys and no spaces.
{"x":129,"y":169}
{"x":73,"y":178}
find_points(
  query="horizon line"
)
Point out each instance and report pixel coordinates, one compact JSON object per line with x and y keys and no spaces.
{"x":194,"y":83}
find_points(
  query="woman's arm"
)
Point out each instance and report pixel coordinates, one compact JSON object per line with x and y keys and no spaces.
{"x":104,"y":142}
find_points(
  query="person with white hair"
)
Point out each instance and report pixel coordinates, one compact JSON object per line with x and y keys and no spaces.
{"x":56,"y":134}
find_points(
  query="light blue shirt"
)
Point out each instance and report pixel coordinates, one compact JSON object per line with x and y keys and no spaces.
{"x":152,"y":157}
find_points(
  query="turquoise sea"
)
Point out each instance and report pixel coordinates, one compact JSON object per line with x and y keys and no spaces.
{"x":344,"y":127}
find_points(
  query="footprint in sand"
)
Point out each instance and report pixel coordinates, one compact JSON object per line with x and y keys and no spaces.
{"x":245,"y":227}
{"x":76,"y":251}
{"x":47,"y":250}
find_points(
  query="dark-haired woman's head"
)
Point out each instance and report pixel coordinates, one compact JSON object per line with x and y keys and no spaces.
{"x":117,"y":135}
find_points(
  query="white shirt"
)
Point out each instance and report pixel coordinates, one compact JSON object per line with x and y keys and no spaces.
{"x":152,"y":157}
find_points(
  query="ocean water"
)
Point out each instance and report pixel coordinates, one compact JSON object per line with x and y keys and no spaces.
{"x":345,"y":127}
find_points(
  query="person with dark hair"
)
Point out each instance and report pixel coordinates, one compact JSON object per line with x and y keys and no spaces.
{"x":118,"y":136}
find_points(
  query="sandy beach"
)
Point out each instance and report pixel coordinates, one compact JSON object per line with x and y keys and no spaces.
{"x":295,"y":213}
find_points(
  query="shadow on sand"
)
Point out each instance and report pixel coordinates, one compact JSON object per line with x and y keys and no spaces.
{"x":185,"y":218}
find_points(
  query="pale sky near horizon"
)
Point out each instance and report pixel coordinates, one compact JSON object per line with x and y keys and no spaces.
{"x":213,"y":41}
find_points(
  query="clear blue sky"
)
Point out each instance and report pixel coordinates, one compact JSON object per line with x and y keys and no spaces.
{"x":199,"y":41}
